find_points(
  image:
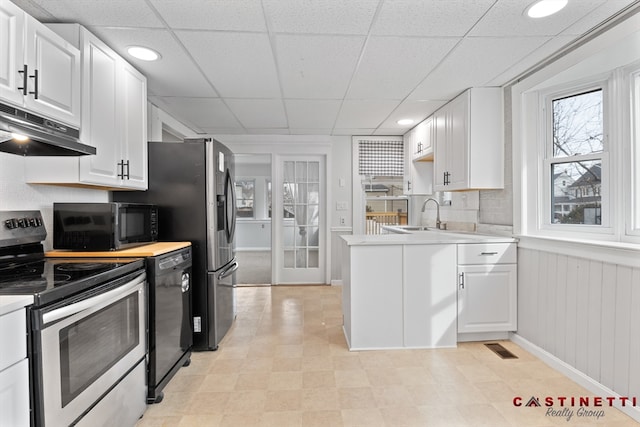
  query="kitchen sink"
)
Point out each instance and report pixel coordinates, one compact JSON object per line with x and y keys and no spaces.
{"x":405,"y":229}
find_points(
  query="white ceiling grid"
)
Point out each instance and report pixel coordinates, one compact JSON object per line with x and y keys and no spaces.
{"x":326,"y":67}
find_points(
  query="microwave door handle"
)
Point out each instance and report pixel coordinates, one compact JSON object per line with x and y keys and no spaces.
{"x":88,"y":303}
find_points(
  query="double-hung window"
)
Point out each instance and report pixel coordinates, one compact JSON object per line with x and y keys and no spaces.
{"x":576,"y":194}
{"x":576,"y":143}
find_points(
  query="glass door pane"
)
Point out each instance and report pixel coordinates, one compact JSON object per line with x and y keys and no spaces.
{"x":301,"y":220}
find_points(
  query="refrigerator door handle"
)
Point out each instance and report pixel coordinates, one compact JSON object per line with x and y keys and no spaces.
{"x":230,"y":200}
{"x":227,"y":271}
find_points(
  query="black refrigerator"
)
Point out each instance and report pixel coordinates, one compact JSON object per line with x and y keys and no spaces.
{"x":192,"y":182}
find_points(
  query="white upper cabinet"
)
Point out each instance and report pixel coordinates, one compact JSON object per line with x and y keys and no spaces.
{"x":418,"y":175}
{"x":114,"y":120}
{"x":11,"y":52}
{"x":39,"y":70}
{"x":134,"y":127}
{"x":423,"y":140}
{"x":469,"y":147}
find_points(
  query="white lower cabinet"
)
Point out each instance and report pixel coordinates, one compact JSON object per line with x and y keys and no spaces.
{"x":399,"y":296}
{"x":372,"y":297}
{"x":14,"y":370}
{"x":487,"y":288}
{"x":429,"y":296}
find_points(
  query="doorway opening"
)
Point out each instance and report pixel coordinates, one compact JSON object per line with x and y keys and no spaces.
{"x":253,"y":226}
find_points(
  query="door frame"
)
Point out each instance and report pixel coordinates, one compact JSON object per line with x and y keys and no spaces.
{"x":289,"y":144}
{"x":277,"y":245}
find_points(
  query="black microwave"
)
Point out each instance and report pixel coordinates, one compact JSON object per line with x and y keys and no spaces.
{"x":103,"y":226}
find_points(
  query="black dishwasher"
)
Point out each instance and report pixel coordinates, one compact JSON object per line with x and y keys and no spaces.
{"x":170,"y":330}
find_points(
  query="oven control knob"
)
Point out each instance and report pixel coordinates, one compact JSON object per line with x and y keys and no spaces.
{"x":10,"y":223}
{"x":185,"y":282}
{"x":23,"y":222}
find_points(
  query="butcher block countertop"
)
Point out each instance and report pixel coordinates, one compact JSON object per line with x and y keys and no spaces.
{"x":152,"y":249}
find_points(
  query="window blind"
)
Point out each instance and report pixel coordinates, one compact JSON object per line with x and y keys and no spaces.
{"x":381,"y":158}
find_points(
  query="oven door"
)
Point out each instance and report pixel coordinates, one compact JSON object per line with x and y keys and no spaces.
{"x":87,"y":347}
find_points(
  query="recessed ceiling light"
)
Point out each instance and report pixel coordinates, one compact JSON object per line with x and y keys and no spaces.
{"x":404,"y":122}
{"x":18,"y":137}
{"x":143,"y":53}
{"x":543,"y":8}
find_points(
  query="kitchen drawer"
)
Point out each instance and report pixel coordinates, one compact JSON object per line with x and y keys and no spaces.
{"x":486,"y":253}
{"x":13,"y":338}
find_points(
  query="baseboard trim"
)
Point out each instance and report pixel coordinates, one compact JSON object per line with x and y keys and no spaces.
{"x":336,"y":282}
{"x":575,"y":375}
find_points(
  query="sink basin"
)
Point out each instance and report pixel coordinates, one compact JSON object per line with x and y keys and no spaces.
{"x":413,"y":227}
{"x":405,"y":229}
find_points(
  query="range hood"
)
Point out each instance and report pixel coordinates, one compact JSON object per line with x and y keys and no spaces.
{"x":27,"y":134}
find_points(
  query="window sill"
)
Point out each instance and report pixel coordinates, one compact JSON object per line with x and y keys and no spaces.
{"x":621,"y":253}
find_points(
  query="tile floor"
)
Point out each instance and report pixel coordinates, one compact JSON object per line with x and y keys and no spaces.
{"x":285,"y":363}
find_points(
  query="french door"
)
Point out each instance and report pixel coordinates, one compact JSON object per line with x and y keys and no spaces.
{"x":300,"y":220}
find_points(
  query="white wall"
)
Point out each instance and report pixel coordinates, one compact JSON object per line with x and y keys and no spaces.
{"x":15,"y":194}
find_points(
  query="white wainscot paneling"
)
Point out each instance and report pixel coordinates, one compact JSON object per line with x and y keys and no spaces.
{"x":585,"y":313}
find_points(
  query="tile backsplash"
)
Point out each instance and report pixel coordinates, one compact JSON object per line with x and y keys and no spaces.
{"x":461,"y":214}
{"x":16,"y":194}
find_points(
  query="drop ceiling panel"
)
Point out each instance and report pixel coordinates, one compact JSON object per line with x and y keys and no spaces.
{"x":314,"y":131}
{"x":174,"y":75}
{"x":323,"y":66}
{"x":308,"y":114}
{"x":389,"y":131}
{"x":259,"y":113}
{"x":364,"y":114}
{"x":204,"y":113}
{"x":415,"y":110}
{"x":320,"y":17}
{"x":533,"y":58}
{"x":429,"y":18}
{"x":508,"y":18}
{"x":354,"y":131}
{"x":122,"y":13}
{"x":475,"y":62}
{"x":239,"y":65}
{"x":231,"y":15}
{"x":392,"y":67}
{"x":317,"y":66}
{"x":608,"y":8}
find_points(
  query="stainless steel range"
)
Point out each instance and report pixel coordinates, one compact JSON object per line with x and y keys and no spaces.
{"x":87,"y":328}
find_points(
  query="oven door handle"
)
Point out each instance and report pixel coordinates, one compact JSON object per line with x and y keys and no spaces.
{"x":113,"y":294}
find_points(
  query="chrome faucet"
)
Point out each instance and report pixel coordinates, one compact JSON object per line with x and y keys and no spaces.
{"x":424,"y":205}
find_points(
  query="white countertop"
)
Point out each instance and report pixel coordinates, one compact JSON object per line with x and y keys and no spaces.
{"x":430,"y":237}
{"x":9,"y":303}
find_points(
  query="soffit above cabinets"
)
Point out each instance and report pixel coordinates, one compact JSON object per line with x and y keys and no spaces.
{"x":323,"y":67}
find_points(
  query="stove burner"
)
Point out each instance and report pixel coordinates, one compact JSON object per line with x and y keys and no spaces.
{"x":59,"y":277}
{"x":84,"y":266}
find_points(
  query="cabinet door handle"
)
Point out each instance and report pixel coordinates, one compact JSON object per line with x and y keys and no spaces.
{"x":127,"y":164}
{"x":34,"y":76}
{"x":408,"y":185}
{"x":121,"y":166}
{"x":461,"y":280}
{"x":488,"y":253}
{"x":25,"y":76}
